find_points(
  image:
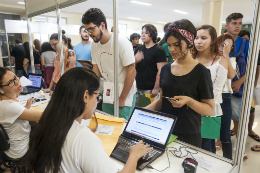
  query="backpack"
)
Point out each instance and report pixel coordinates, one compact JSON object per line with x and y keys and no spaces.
{"x":241,"y":66}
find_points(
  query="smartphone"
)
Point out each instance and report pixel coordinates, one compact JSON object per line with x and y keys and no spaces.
{"x":171,"y":98}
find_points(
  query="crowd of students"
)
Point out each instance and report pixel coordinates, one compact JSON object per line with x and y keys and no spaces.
{"x":192,"y":72}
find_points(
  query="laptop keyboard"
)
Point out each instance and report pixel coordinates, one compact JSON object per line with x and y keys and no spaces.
{"x":125,"y":145}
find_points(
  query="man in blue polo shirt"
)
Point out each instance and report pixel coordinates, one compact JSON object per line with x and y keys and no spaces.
{"x":83,"y":49}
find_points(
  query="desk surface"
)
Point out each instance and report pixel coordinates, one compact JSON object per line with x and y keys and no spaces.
{"x":176,"y":163}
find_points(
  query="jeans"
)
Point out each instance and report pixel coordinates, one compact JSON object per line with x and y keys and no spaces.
{"x":236,"y":107}
{"x":209,"y":145}
{"x":225,"y":137}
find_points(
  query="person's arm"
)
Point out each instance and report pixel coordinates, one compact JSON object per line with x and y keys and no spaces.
{"x":42,"y":61}
{"x":257,"y":75}
{"x":139,"y":56}
{"x":96,"y":70}
{"x":157,"y":104}
{"x":205,"y":107}
{"x":157,"y":82}
{"x":237,"y":84}
{"x":30,"y":115}
{"x":231,"y":71}
{"x":129,"y":80}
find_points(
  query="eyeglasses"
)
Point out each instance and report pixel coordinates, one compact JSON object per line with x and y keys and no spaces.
{"x":223,"y":45}
{"x":12,"y":82}
{"x":99,"y":97}
{"x":54,"y":44}
{"x":91,"y":29}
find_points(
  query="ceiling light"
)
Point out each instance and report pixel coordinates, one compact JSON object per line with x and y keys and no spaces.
{"x":141,"y":3}
{"x":134,"y":18}
{"x":162,"y":22}
{"x":20,"y":2}
{"x":179,"y":11}
{"x":223,"y":21}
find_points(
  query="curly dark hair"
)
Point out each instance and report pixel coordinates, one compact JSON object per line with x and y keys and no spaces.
{"x":214,"y":42}
{"x":152,"y":31}
{"x":133,"y":36}
{"x":234,"y":16}
{"x":223,"y":37}
{"x":94,"y":15}
{"x":46,"y":46}
{"x":166,"y":26}
{"x":181,"y":24}
{"x":243,"y":33}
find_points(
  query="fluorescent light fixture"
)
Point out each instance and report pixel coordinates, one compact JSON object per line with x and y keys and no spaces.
{"x":179,"y":11}
{"x":20,"y":2}
{"x":141,"y":3}
{"x":133,"y":18}
{"x":162,"y":22}
{"x":223,"y":21}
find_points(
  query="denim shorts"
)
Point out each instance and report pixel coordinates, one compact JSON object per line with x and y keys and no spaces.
{"x":236,"y":107}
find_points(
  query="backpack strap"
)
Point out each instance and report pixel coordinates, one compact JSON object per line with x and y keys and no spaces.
{"x":242,"y":47}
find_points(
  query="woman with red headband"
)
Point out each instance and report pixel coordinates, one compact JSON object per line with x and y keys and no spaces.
{"x":186,"y":87}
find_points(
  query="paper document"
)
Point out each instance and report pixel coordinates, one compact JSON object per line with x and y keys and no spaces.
{"x":108,"y":93}
{"x":206,"y":163}
{"x":25,"y":82}
{"x":105,"y":130}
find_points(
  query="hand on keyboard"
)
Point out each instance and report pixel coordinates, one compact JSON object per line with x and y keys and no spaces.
{"x":139,"y":149}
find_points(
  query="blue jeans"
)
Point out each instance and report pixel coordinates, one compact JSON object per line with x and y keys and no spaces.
{"x":208,"y":144}
{"x":225,"y":137}
{"x":236,"y":107}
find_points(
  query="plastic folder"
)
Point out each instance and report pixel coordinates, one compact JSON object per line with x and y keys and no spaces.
{"x":210,"y":127}
{"x":108,"y":141}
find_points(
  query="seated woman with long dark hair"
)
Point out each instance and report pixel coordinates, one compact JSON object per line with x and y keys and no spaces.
{"x":60,"y":143}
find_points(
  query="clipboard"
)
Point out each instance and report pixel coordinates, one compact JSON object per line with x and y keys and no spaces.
{"x":108,"y":141}
{"x":86,"y":63}
{"x":210,"y":128}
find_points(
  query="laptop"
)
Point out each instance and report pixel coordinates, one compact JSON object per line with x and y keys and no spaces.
{"x":154,"y":128}
{"x":36,"y":84}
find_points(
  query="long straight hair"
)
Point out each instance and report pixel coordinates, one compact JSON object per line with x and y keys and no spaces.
{"x":66,"y":104}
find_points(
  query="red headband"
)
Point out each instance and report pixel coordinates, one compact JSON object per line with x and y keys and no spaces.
{"x":186,"y":34}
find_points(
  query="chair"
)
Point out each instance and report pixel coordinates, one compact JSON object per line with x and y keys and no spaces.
{"x":14,"y":165}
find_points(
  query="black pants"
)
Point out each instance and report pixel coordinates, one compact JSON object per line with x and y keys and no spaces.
{"x":193,"y":139}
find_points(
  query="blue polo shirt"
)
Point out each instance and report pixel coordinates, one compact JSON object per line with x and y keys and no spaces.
{"x":83,"y":52}
{"x":237,"y":46}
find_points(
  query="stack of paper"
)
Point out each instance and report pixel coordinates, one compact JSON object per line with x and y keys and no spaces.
{"x":25,"y":82}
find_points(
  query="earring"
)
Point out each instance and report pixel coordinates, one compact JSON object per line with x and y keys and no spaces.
{"x":2,"y":92}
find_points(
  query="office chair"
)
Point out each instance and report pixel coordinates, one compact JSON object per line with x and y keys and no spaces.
{"x":14,"y":165}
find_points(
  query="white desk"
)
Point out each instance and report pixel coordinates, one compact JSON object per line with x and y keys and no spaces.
{"x":176,"y":163}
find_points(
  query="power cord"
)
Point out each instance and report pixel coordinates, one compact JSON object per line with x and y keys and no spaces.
{"x":175,"y":151}
{"x":150,"y":167}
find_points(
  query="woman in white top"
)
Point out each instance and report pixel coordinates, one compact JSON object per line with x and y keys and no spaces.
{"x":60,"y":143}
{"x":226,"y":46}
{"x":13,"y":116}
{"x":206,"y":52}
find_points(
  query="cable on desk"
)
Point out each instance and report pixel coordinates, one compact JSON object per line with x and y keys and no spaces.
{"x":179,"y":151}
{"x":150,"y":167}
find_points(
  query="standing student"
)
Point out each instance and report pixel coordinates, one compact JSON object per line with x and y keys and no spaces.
{"x":17,"y":54}
{"x":47,"y":61}
{"x":165,"y":46}
{"x":186,"y":87}
{"x":13,"y":116}
{"x":134,"y":39}
{"x":69,"y":59}
{"x":233,"y":26}
{"x":77,"y":148}
{"x":83,"y":49}
{"x":36,"y":57}
{"x":103,"y":62}
{"x":149,"y":58}
{"x":226,"y":46}
{"x":206,"y":52}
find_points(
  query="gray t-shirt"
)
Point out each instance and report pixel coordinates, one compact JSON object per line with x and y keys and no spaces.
{"x":49,"y":58}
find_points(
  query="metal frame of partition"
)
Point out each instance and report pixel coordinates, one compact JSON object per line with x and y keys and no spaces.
{"x":251,"y":69}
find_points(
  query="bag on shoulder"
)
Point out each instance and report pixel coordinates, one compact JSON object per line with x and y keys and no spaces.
{"x":241,"y":65}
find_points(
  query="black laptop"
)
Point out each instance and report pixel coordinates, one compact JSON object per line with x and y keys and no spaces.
{"x":36,"y":84}
{"x":154,"y":128}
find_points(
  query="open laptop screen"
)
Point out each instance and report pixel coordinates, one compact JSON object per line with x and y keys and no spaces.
{"x":36,"y":81}
{"x":150,"y":126}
